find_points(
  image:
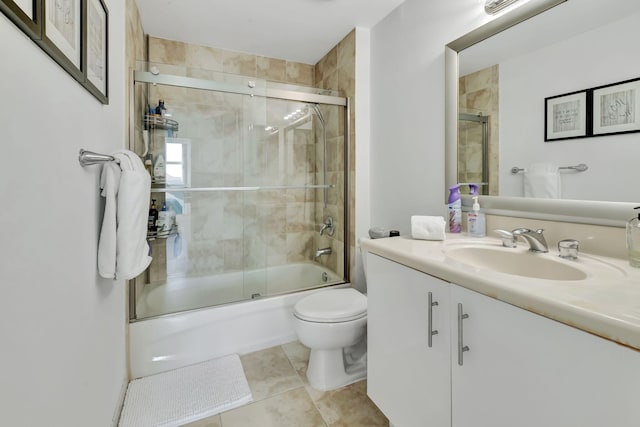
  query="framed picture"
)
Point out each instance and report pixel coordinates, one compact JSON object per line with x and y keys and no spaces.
{"x":616,"y":108}
{"x":96,"y":56}
{"x":566,"y":116}
{"x":26,"y":14}
{"x":61,"y":34}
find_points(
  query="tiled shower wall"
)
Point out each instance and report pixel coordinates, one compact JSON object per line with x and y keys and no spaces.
{"x":336,"y":71}
{"x":136,"y":50}
{"x":233,"y":231}
{"x":478,"y":94}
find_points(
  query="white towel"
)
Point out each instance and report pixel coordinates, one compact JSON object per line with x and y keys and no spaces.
{"x":542,"y":180}
{"x":427,"y":227}
{"x":123,"y":251}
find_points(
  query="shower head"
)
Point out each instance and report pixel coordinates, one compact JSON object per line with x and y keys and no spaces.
{"x":316,"y":109}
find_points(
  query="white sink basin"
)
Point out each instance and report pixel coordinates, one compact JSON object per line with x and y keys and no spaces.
{"x":516,"y":262}
{"x":521,"y":262}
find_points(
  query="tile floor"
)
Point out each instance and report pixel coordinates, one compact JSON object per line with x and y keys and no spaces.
{"x":282,"y":396}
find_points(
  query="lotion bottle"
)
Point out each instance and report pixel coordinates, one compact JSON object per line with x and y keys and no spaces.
{"x":476,"y":223}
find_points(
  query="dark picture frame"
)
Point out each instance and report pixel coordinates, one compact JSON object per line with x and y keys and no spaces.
{"x":566,"y":116}
{"x":62,"y":34}
{"x":616,"y":108}
{"x":74,"y":33}
{"x":95,"y":63}
{"x":25,"y":14}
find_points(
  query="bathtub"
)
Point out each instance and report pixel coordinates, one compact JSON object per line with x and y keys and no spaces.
{"x":187,"y":337}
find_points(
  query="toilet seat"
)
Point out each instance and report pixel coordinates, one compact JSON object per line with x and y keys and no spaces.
{"x":332,"y":306}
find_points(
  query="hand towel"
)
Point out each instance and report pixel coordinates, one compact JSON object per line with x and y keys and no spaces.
{"x":428,"y":227}
{"x":542,"y":180}
{"x":123,"y":251}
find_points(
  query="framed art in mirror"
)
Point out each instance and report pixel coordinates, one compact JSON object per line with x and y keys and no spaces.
{"x":565,"y":116}
{"x":615,"y":108}
{"x":26,"y":14}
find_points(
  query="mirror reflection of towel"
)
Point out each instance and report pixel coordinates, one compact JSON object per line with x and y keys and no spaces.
{"x":542,"y":180}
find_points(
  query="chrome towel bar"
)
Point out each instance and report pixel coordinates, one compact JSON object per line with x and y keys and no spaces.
{"x":578,"y":168}
{"x":87,"y":158}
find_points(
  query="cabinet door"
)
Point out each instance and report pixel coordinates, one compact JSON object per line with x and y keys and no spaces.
{"x":524,"y":370}
{"x":407,"y":379}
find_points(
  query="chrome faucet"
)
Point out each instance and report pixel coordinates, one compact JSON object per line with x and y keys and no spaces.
{"x":323,"y":251}
{"x":508,"y":239}
{"x":534,"y":238}
{"x":328,"y":225}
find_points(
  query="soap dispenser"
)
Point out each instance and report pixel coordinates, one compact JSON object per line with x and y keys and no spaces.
{"x":476,"y":224}
{"x":633,"y":240}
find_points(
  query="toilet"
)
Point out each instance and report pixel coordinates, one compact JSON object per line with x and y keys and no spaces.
{"x":333,"y":324}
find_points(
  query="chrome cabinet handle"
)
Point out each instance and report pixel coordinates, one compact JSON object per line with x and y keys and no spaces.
{"x":461,"y":347}
{"x":432,"y":303}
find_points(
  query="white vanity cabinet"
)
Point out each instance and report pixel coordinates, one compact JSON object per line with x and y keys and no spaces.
{"x":520,"y":369}
{"x":408,"y":380}
{"x":525,"y":370}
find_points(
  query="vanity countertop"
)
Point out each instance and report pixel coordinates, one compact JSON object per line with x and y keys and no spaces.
{"x":604,"y":305}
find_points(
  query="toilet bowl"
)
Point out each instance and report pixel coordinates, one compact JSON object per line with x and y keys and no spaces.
{"x":333,"y":324}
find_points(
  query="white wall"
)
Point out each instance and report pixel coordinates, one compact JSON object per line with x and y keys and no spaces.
{"x":62,"y":328}
{"x":363,"y":136}
{"x":407,"y":107}
{"x":594,"y":58}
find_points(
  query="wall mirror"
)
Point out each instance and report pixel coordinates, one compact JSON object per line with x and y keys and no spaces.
{"x":503,"y":71}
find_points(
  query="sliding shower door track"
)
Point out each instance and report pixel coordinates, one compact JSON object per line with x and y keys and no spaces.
{"x":264,"y":188}
{"x":249,"y":89}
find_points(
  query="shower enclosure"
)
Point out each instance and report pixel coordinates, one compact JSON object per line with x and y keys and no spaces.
{"x":473,"y":150}
{"x":250,"y":177}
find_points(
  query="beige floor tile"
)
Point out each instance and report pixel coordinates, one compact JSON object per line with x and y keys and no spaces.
{"x":293,"y":408}
{"x":269,"y":372}
{"x":207,"y":422}
{"x":348,"y":406}
{"x":298,"y":355}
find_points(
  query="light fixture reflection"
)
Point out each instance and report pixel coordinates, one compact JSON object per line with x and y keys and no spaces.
{"x":494,"y":6}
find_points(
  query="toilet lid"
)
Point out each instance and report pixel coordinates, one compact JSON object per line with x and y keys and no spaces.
{"x":336,"y":305}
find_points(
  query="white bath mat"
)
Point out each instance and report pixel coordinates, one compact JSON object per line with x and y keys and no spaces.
{"x":186,"y":394}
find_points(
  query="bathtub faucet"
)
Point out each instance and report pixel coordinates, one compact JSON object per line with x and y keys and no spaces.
{"x":323,"y":251}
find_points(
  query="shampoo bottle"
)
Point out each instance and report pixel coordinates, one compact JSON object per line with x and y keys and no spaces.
{"x":153,"y":217}
{"x":164,"y":221}
{"x":476,"y":224}
{"x":455,"y":209}
{"x":633,"y":240}
{"x":159,"y":167}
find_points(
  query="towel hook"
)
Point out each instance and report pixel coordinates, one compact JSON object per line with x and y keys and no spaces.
{"x":87,"y":158}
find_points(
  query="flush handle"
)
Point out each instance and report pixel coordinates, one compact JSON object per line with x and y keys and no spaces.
{"x":432,"y":304}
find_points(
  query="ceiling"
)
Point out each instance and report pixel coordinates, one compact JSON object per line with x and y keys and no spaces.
{"x":295,"y":30}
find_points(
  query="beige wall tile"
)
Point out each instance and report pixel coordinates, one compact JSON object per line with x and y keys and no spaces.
{"x":346,"y":50}
{"x":271,"y":69}
{"x":204,"y":57}
{"x":167,"y":51}
{"x":239,"y":63}
{"x":302,"y":74}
